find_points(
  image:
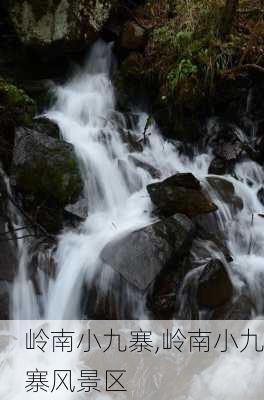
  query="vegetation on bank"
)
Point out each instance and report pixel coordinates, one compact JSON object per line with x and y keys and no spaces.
{"x":191,"y":46}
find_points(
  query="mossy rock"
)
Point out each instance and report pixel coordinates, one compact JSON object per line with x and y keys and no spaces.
{"x":45,"y":172}
{"x":41,"y":91}
{"x":46,"y":167}
{"x":16,"y":100}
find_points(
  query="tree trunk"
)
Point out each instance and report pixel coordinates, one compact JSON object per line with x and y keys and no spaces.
{"x":228,"y":17}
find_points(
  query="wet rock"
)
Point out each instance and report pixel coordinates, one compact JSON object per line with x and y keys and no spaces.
{"x":141,"y":255}
{"x":8,"y":259}
{"x":78,"y":210}
{"x":218,"y":167}
{"x":226,"y":142}
{"x":41,"y":262}
{"x":154,"y":173}
{"x":133,"y":36}
{"x":181,"y":193}
{"x":4,"y":300}
{"x":73,"y":24}
{"x":214,"y":286}
{"x":47,"y":127}
{"x":40,"y":91}
{"x":202,"y":250}
{"x":241,"y":307}
{"x":163,"y":299}
{"x":8,"y":251}
{"x":132,"y":179}
{"x":134,"y":145}
{"x":45,"y":167}
{"x":225,"y":190}
{"x":260,"y":195}
{"x":45,"y":171}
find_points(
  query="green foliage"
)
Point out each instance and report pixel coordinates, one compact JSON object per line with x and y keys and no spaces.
{"x":183,"y":70}
{"x":16,"y":101}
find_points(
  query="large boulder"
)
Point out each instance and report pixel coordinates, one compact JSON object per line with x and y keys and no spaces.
{"x":45,"y":171}
{"x":180,"y":193}
{"x":140,"y":256}
{"x":42,"y":23}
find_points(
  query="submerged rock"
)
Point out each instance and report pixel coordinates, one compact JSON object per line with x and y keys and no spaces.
{"x":180,"y":193}
{"x":140,"y":256}
{"x":214,"y":286}
{"x":73,"y":23}
{"x":154,"y":173}
{"x":45,"y":171}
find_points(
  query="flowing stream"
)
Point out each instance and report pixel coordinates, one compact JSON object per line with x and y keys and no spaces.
{"x":105,"y":142}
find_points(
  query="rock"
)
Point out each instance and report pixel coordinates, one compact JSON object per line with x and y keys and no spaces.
{"x":40,"y":91}
{"x":4,"y":300}
{"x":133,"y":144}
{"x":242,"y":307}
{"x":141,"y":255}
{"x":8,"y":259}
{"x":164,"y":298}
{"x":78,"y":210}
{"x":132,"y":179}
{"x":45,"y":167}
{"x":225,"y":190}
{"x":260,"y":195}
{"x":218,"y":167}
{"x":214,"y":286}
{"x":71,"y":23}
{"x":16,"y":108}
{"x":225,"y":140}
{"x":133,"y":36}
{"x":15,"y":101}
{"x":47,"y":127}
{"x":45,"y":171}
{"x":181,"y":193}
{"x":42,"y":260}
{"x":154,"y":173}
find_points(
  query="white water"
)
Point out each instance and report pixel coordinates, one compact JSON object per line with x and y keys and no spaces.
{"x":115,"y":190}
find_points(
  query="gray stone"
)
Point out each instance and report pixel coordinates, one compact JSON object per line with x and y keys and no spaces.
{"x":141,"y":255}
{"x":41,"y":23}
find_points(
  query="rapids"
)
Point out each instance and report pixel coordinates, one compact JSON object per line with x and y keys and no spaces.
{"x":115,"y":192}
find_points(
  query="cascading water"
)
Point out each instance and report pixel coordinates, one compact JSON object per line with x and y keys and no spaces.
{"x":115,"y":190}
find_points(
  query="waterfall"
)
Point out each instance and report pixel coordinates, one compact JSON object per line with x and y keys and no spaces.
{"x":105,"y":142}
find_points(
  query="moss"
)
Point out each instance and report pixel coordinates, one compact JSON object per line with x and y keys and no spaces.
{"x":62,"y":184}
{"x":17,"y":101}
